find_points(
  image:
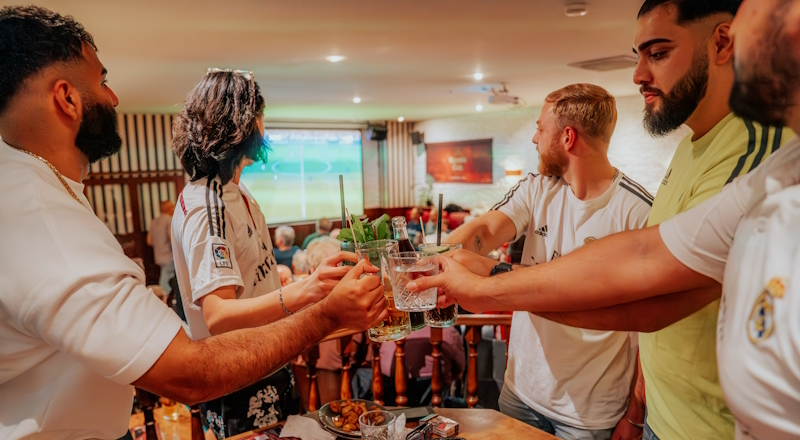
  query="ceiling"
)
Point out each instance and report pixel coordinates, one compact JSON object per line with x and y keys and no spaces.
{"x":410,"y":58}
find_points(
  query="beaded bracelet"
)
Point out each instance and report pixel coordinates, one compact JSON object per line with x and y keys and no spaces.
{"x":280,"y":297}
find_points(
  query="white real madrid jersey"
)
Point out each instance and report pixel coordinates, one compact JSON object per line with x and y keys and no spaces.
{"x":748,"y":238}
{"x":578,"y":377}
{"x":220,"y":239}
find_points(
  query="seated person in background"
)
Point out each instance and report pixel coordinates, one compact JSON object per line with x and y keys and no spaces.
{"x":570,"y":382}
{"x":419,"y":362}
{"x":284,"y":241}
{"x":431,"y":224}
{"x":223,"y":253}
{"x":300,"y":267}
{"x":334,"y":233}
{"x":285,"y":275}
{"x":323,"y":229}
{"x":159,"y":238}
{"x":413,"y":225}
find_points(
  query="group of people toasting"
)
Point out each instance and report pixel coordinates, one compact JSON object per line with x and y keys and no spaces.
{"x":703,"y":271}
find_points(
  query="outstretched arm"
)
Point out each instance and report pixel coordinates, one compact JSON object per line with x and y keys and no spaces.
{"x":196,"y":371}
{"x":485,"y":233}
{"x":618,"y":269}
{"x":647,"y":315}
{"x":223,"y":312}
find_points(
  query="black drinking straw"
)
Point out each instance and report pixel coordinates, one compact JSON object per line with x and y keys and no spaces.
{"x":341,"y":192}
{"x":439,"y":223}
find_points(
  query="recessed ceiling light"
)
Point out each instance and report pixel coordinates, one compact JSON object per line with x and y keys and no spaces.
{"x":478,"y":107}
{"x":335,"y":58}
{"x":401,"y":119}
{"x":576,"y":10}
{"x":478,"y":76}
{"x":356,"y":100}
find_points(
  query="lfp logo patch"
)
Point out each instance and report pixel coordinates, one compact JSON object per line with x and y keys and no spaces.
{"x":222,"y":257}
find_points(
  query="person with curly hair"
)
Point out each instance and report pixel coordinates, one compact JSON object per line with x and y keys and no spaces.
{"x":224,"y":258}
{"x":78,"y":326}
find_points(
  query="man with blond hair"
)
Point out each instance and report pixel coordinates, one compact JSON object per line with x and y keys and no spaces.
{"x":570,"y":382}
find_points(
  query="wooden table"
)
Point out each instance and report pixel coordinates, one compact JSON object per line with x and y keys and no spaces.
{"x":474,"y":424}
{"x":488,"y":424}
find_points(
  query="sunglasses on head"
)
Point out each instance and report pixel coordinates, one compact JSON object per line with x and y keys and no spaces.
{"x":246,"y":74}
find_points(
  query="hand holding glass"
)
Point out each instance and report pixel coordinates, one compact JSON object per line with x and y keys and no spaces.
{"x":405,"y":267}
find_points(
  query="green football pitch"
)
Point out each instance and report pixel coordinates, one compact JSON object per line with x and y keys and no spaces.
{"x":300,"y":181}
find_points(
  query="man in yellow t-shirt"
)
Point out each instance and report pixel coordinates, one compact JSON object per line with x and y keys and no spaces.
{"x":691,"y":39}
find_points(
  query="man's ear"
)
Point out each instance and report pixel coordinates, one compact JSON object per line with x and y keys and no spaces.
{"x":568,"y":138}
{"x":723,"y":44}
{"x":68,"y":100}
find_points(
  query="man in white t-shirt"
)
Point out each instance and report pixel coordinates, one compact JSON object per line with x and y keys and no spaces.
{"x":78,"y":327}
{"x":159,"y":238}
{"x":568,"y":381}
{"x":746,"y":237}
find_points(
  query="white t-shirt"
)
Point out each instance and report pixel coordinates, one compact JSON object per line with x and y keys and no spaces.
{"x":220,"y":239}
{"x":753,"y":225}
{"x":77,"y":324}
{"x":578,"y":377}
{"x":160,"y":229}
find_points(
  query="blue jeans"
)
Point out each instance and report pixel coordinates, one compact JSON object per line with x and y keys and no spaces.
{"x":648,"y":433}
{"x":167,"y":273}
{"x":512,"y":406}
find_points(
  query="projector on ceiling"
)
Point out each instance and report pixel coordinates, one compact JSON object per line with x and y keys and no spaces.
{"x":504,"y":99}
{"x":501,"y":97}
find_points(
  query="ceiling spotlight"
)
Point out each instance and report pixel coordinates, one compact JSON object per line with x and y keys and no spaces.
{"x":576,"y":10}
{"x":335,"y":58}
{"x":401,"y":119}
{"x":478,"y":76}
{"x":478,"y":107}
{"x":356,"y":100}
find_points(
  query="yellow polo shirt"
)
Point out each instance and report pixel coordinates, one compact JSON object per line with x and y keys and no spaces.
{"x":684,"y":398}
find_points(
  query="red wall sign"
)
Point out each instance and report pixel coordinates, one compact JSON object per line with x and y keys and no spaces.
{"x":461,"y":162}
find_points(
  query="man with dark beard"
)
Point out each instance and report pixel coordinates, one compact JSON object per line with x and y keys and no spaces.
{"x":78,"y":327}
{"x":685,"y":73}
{"x":747,"y":238}
{"x":570,"y":382}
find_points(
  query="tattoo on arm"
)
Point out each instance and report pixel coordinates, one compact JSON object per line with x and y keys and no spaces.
{"x":478,"y":244}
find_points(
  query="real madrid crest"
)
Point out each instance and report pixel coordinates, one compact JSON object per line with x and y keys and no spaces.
{"x":588,"y":240}
{"x":761,"y":324}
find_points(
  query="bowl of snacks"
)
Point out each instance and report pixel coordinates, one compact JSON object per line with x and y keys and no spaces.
{"x":341,"y":416}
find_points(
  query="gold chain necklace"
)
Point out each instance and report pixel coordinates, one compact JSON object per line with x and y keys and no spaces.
{"x":54,"y":170}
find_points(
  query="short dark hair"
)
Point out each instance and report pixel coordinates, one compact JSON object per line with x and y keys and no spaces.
{"x":217,"y":127}
{"x":31,"y":39}
{"x":693,"y":10}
